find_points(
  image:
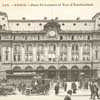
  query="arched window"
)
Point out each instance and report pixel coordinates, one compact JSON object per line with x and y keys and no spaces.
{"x":86,"y":71}
{"x":28,"y":69}
{"x":74,"y":73}
{"x":51,"y":72}
{"x":17,"y":69}
{"x":63,"y":72}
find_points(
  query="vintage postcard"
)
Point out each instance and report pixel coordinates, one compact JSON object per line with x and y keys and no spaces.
{"x":49,"y":49}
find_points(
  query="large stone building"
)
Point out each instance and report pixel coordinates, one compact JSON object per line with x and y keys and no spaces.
{"x":55,"y":49}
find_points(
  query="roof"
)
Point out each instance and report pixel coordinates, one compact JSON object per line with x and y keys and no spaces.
{"x":96,"y":15}
{"x":15,"y":20}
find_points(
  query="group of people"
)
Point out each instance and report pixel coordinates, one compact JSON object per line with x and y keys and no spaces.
{"x":37,"y":87}
{"x":93,"y":89}
{"x":73,"y":87}
{"x":69,"y":92}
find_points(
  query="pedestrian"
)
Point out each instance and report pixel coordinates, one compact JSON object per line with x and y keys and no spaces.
{"x":57,"y":88}
{"x":91,"y":85}
{"x":74,"y":87}
{"x":68,"y":96}
{"x":65,"y":86}
{"x":96,"y":91}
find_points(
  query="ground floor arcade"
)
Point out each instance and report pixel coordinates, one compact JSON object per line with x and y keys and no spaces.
{"x":63,"y":73}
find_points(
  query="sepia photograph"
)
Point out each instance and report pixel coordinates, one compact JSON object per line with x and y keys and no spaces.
{"x":50,"y":50}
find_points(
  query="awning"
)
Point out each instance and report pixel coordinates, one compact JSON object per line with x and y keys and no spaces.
{"x":22,"y":74}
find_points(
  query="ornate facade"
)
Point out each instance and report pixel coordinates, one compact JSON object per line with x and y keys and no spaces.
{"x":64,"y":49}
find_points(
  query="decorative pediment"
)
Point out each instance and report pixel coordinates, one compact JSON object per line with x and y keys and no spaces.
{"x":52,"y":25}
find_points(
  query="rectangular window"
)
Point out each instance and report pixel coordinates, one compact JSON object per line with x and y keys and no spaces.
{"x":17,"y":53}
{"x":6,"y":57}
{"x":28,"y":53}
{"x":7,"y":53}
{"x":96,"y":54}
{"x":14,"y":58}
{"x":0,"y":54}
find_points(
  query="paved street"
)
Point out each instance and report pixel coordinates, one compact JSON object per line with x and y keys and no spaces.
{"x":22,"y":97}
{"x":82,"y":94}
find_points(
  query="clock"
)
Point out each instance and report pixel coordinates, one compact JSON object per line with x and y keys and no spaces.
{"x":52,"y":33}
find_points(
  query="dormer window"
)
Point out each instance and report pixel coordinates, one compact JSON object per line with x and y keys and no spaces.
{"x":40,"y":24}
{"x":85,"y":24}
{"x":17,"y":24}
{"x":45,"y":18}
{"x":29,"y":24}
{"x":63,"y":24}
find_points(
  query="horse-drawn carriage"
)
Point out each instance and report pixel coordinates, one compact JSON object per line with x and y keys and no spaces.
{"x":38,"y":86}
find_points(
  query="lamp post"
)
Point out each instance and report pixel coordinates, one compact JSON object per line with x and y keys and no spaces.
{"x":91,"y":77}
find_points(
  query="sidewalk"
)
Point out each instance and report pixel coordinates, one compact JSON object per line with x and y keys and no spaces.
{"x":81,"y":92}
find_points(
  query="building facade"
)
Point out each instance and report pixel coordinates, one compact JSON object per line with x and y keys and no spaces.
{"x":56,"y":49}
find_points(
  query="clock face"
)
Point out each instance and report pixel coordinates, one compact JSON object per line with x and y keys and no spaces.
{"x":52,"y":33}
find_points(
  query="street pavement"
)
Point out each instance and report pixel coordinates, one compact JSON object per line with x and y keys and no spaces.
{"x":81,"y":94}
{"x":50,"y":96}
{"x":41,"y":97}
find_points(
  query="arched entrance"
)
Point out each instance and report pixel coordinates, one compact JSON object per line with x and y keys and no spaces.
{"x":17,"y":69}
{"x":84,"y":77}
{"x":28,"y":69}
{"x":63,"y":72}
{"x":74,"y":73}
{"x":40,"y":70}
{"x":51,"y":72}
{"x":86,"y":71}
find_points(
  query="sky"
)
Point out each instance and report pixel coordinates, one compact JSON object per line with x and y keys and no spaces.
{"x":33,"y":10}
